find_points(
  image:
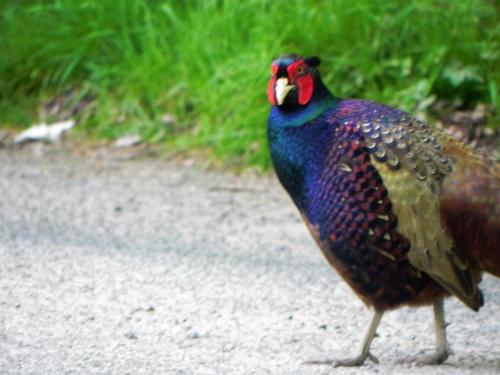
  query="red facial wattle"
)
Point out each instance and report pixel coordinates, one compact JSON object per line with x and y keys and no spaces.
{"x":270,"y":91}
{"x":305,"y":82}
{"x":270,"y":87}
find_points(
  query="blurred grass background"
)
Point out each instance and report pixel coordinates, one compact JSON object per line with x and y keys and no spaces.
{"x":207,"y":61}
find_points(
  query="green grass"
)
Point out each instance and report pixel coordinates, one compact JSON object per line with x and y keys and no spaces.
{"x":207,"y":62}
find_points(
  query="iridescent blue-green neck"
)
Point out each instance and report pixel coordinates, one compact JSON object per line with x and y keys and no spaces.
{"x":299,"y":138}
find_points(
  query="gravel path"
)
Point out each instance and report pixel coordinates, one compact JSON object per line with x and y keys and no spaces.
{"x":150,"y":267}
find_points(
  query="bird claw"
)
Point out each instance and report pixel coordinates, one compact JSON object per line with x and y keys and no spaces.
{"x":319,"y":362}
{"x":359,"y":360}
{"x":435,"y":358}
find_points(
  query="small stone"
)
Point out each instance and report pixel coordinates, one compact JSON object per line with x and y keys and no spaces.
{"x":228,"y":348}
{"x":323,"y":327}
{"x":128,"y":140}
{"x":193,"y":335}
{"x":131,"y":335}
{"x":168,"y":119}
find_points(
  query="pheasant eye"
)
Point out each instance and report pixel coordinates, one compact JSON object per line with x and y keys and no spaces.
{"x":300,"y":69}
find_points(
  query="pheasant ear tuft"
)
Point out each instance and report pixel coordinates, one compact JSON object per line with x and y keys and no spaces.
{"x":313,"y":61}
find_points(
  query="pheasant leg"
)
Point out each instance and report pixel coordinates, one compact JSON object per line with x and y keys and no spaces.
{"x":442,"y":350}
{"x":365,"y":350}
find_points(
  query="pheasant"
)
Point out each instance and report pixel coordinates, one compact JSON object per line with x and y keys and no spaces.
{"x":405,"y":214}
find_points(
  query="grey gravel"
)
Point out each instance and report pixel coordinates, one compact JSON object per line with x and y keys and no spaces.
{"x":151,"y":267}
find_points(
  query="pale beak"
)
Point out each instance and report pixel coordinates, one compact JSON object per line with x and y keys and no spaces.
{"x":282,"y":89}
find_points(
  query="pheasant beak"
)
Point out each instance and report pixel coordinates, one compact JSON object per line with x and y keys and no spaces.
{"x":282,"y":89}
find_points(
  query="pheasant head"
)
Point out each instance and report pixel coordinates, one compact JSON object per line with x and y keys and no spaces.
{"x":293,"y":80}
